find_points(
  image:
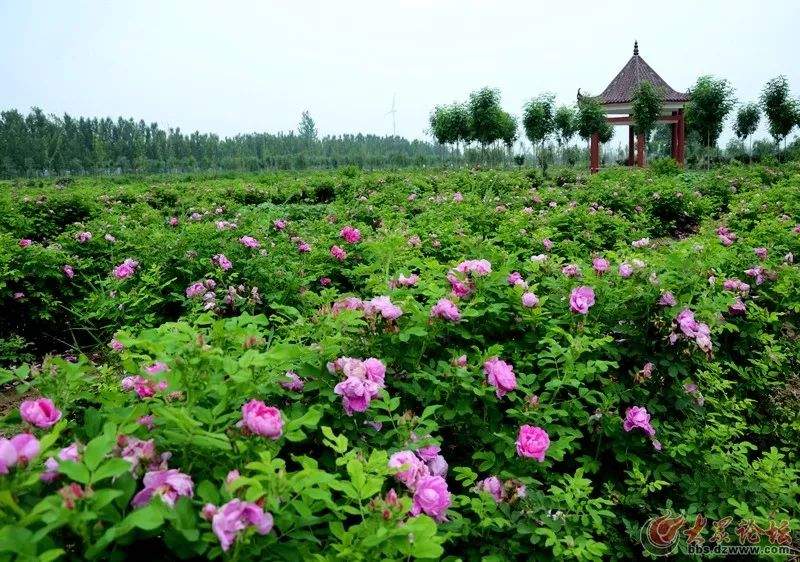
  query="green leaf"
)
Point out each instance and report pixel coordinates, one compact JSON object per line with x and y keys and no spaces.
{"x":207,"y":492}
{"x":75,"y":471}
{"x":111,"y":469}
{"x":146,"y":518}
{"x":97,"y":449}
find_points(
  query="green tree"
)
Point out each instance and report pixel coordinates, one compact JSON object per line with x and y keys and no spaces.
{"x":485,"y":116}
{"x":538,"y":119}
{"x":782,"y":111}
{"x":566,"y":124}
{"x":747,"y":119}
{"x":592,"y":119}
{"x":307,"y":128}
{"x":711,"y":102}
{"x":646,"y":108}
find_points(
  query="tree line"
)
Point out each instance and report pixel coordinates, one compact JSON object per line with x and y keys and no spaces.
{"x":550,"y":128}
{"x":39,"y":144}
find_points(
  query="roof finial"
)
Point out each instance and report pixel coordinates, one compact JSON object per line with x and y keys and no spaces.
{"x":635,"y":48}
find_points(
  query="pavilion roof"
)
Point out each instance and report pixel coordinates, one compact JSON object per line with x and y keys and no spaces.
{"x":636,"y":70}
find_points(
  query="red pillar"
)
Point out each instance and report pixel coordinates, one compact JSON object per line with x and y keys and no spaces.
{"x":673,"y":147}
{"x":640,"y":156}
{"x":681,"y":137}
{"x":630,"y":145}
{"x":594,"y":154}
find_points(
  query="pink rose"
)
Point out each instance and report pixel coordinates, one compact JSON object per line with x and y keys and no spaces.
{"x":8,"y":455}
{"x":431,"y":497}
{"x":350,"y":235}
{"x":500,"y":375}
{"x":413,"y":468}
{"x":249,"y":242}
{"x":446,"y":310}
{"x":493,"y":486}
{"x":529,"y":300}
{"x":169,"y":484}
{"x":261,"y":419}
{"x":581,"y":299}
{"x":532,"y":442}
{"x":41,"y":412}
{"x":25,"y":242}
{"x":637,"y":417}
{"x":26,"y":446}
{"x":231,"y":519}
{"x":68,"y":271}
{"x":338,"y":253}
{"x":222,"y":262}
{"x":600,"y":265}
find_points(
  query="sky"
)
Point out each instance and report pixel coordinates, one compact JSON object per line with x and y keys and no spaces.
{"x":234,"y":67}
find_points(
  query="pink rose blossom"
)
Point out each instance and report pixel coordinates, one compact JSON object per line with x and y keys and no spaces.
{"x":429,"y":452}
{"x":475,"y":267}
{"x":25,"y":242}
{"x":581,"y":299}
{"x":529,"y":300}
{"x":356,"y":393}
{"x":262,"y":420}
{"x":515,"y":279}
{"x":222,"y":262}
{"x":292,"y":382}
{"x":431,"y":497}
{"x":69,"y":453}
{"x":173,"y":221}
{"x":169,"y":484}
{"x":338,"y":253}
{"x":250,"y":242}
{"x":8,"y":455}
{"x":233,"y":518}
{"x":40,"y":412}
{"x":461,"y":361}
{"x":457,"y":197}
{"x":83,"y":237}
{"x":500,"y":375}
{"x":437,"y":466}
{"x":383,"y":306}
{"x":532,"y":442}
{"x":637,"y":417}
{"x":492,"y":486}
{"x":116,"y":345}
{"x":126,"y":269}
{"x":761,"y":253}
{"x":446,"y":310}
{"x":738,"y":308}
{"x":68,"y":271}
{"x":279,"y":224}
{"x":458,"y":288}
{"x":667,"y":299}
{"x":600,"y":265}
{"x":642,"y":243}
{"x":625,"y":270}
{"x":571,"y":270}
{"x":195,"y":290}
{"x":413,"y":468}
{"x":303,"y":247}
{"x":26,"y":446}
{"x":350,"y":235}
{"x":548,"y":244}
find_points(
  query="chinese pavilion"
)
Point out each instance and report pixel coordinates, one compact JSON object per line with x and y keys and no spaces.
{"x":617,"y":98}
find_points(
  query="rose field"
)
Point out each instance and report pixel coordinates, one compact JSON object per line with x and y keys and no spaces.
{"x":422,"y":364}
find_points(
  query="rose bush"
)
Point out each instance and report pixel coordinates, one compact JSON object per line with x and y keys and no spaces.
{"x":445,"y":384}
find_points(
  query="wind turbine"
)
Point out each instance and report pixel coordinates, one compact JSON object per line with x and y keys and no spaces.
{"x":393,"y":112}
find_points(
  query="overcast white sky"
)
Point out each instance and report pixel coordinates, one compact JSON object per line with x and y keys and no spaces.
{"x":230,"y":67}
